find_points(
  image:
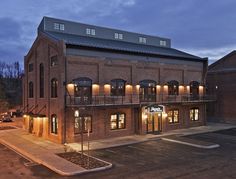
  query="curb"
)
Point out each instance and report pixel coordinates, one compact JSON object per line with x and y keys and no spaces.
{"x":39,"y":161}
{"x":193,"y":145}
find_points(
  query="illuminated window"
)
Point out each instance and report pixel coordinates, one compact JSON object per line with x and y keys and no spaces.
{"x":58,"y":26}
{"x":90,"y":31}
{"x":117,"y":121}
{"x":54,"y":124}
{"x":173,"y":116}
{"x":173,"y":87}
{"x":118,"y":36}
{"x":118,"y":87}
{"x":194,"y":114}
{"x":83,"y":123}
{"x":54,"y":87}
{"x":142,"y":40}
{"x":162,"y":43}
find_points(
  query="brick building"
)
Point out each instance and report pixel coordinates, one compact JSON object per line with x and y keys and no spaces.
{"x":109,"y":82}
{"x":221,"y":82}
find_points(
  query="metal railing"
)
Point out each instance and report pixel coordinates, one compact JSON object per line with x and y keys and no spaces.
{"x":100,"y":100}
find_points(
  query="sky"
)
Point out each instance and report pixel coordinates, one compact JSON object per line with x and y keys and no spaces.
{"x":205,"y":28}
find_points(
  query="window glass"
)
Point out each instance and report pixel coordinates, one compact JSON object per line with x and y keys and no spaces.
{"x":194,"y":114}
{"x":83,"y":123}
{"x":31,"y":67}
{"x":173,"y":116}
{"x":54,"y":60}
{"x":31,"y":89}
{"x":54,"y":124}
{"x":54,"y":88}
{"x":117,"y":121}
{"x":41,"y":80}
{"x":118,"y":87}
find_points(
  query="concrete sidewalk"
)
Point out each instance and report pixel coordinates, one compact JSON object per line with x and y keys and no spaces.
{"x":41,"y":151}
{"x":127,"y":140}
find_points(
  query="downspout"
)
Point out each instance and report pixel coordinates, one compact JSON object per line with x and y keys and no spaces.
{"x":65,"y":86}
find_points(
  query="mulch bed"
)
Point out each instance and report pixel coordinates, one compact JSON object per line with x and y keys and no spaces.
{"x":6,"y":127}
{"x":82,"y":160}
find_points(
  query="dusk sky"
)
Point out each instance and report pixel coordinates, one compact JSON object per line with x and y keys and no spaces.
{"x":205,"y":28}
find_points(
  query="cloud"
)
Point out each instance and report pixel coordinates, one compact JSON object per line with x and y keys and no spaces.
{"x":214,"y":54}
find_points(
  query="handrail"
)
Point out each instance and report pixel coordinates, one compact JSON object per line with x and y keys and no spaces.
{"x":135,"y":99}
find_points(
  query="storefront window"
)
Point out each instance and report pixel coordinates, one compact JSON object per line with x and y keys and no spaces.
{"x":173,"y":116}
{"x":83,"y":123}
{"x":194,"y":114}
{"x":117,"y":121}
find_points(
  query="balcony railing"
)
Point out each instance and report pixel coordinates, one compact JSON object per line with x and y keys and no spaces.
{"x":100,"y":100}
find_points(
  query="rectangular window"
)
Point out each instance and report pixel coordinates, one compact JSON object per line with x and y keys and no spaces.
{"x":62,"y":27}
{"x":194,"y":114}
{"x":93,"y":32}
{"x":118,"y":36}
{"x":54,"y":124}
{"x":54,"y":61}
{"x":31,"y":67}
{"x":56,"y":26}
{"x":117,"y":121}
{"x":142,"y":40}
{"x":90,"y":31}
{"x":162,"y":43}
{"x":173,"y":116}
{"x":83,"y":123}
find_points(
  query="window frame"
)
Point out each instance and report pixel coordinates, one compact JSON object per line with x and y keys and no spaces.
{"x":118,"y":121}
{"x":31,"y":89}
{"x":54,"y":116}
{"x":116,"y":91}
{"x":193,"y":110}
{"x":147,"y":91}
{"x":173,"y":116}
{"x":78,"y":130}
{"x":53,"y":61}
{"x":173,"y":88}
{"x":41,"y":80}
{"x":30,"y":67}
{"x":54,"y":88}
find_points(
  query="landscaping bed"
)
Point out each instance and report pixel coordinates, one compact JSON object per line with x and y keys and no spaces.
{"x":6,"y":127}
{"x":85,"y":161}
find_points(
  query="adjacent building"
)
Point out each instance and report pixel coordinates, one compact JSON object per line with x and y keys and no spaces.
{"x":221,"y":82}
{"x":82,"y":79}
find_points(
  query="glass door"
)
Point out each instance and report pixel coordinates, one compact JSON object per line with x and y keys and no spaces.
{"x":154,"y":123}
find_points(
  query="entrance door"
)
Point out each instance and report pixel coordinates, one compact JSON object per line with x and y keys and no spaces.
{"x":154,"y":123}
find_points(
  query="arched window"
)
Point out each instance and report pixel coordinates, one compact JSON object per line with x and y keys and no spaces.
{"x":83,"y":90}
{"x":31,"y":89}
{"x":173,"y":87}
{"x":147,"y":91}
{"x":54,"y":124}
{"x":194,"y":88}
{"x":118,"y":87}
{"x":54,"y":87}
{"x":41,"y":80}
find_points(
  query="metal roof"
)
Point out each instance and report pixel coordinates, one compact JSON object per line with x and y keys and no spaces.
{"x":99,"y":43}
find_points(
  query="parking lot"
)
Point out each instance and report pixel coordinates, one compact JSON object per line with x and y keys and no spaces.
{"x":152,"y":159}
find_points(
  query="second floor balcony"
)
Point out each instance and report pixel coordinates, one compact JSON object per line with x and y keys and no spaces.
{"x":132,"y":99}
